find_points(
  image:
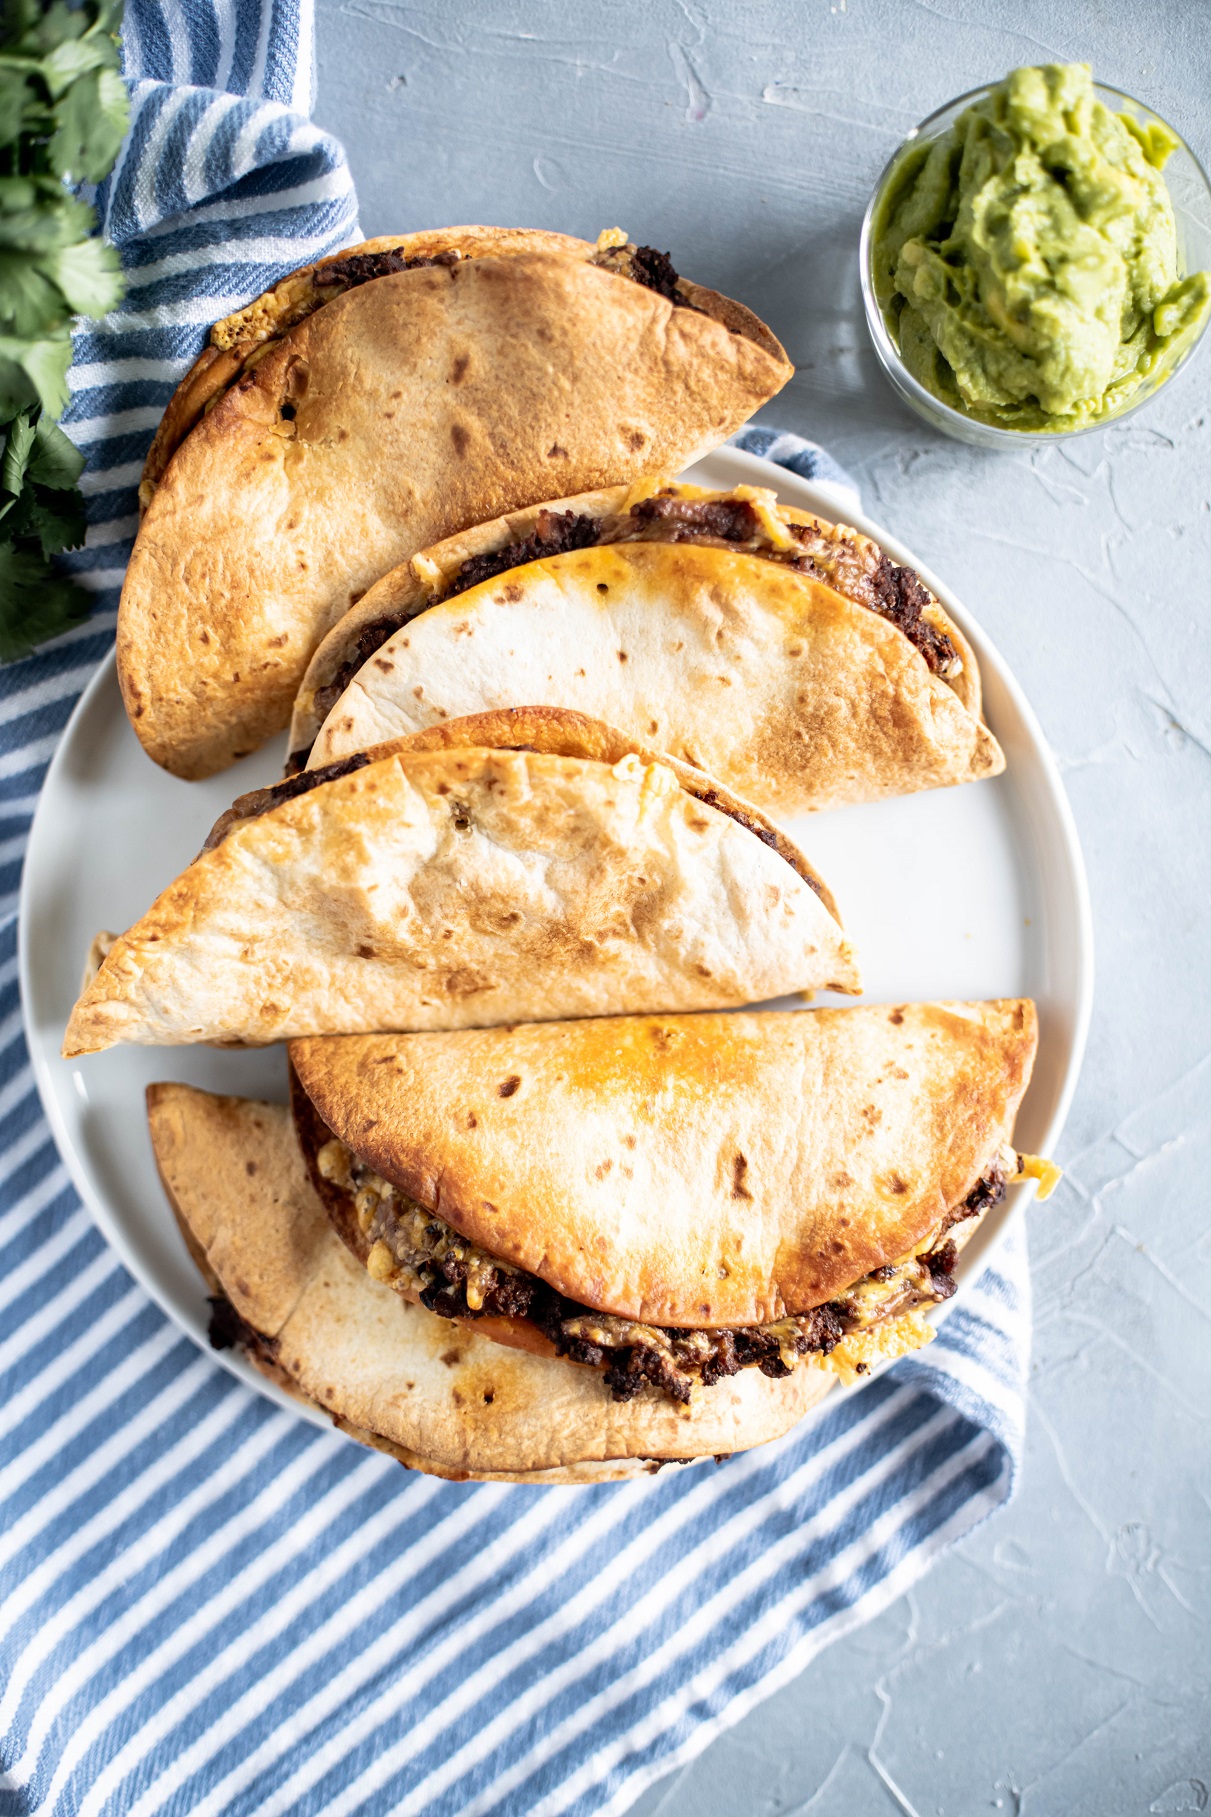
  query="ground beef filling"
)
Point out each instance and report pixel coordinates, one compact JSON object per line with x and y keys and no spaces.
{"x":229,"y":1330}
{"x":370,"y":638}
{"x":864,"y":574}
{"x":362,"y":267}
{"x":644,"y":265}
{"x":411,"y":1248}
{"x":868,"y":578}
{"x":554,"y":533}
{"x":259,"y":801}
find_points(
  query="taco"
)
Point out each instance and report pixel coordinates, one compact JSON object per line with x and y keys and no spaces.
{"x":432,"y":1393}
{"x":506,"y":867}
{"x":788,"y":656}
{"x":676,"y":1200}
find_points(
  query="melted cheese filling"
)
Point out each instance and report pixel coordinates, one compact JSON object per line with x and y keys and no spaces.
{"x":880,"y":1312}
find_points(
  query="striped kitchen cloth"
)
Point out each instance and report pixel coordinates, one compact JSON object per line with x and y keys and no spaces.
{"x":207,"y":1605}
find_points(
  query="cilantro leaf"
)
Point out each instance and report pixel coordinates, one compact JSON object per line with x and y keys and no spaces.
{"x":74,"y":58}
{"x":29,"y":298}
{"x":57,"y":520}
{"x":13,"y":90}
{"x":63,"y":114}
{"x":93,"y":115}
{"x":90,"y":277}
{"x":18,"y":447}
{"x":34,"y":603}
{"x":33,"y":372}
{"x":56,"y":461}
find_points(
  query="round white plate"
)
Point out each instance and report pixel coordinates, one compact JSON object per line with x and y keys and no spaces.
{"x":961,"y":893}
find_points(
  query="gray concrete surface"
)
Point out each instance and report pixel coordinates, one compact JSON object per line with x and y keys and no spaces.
{"x":1058,"y":1664}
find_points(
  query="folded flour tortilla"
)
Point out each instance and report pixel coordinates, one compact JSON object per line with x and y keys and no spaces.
{"x":507,"y":867}
{"x":430,"y":1392}
{"x":675,"y":1198}
{"x":379,"y":401}
{"x":788,"y":656}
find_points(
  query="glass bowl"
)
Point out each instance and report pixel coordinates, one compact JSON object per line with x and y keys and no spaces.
{"x":1191,"y":195}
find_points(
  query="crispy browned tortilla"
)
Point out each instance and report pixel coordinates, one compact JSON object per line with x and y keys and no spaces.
{"x":788,"y":656}
{"x":473,"y":874}
{"x":376,"y":403}
{"x":434,"y":1394}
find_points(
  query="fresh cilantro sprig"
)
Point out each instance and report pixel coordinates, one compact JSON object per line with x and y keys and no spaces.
{"x":63,"y":114}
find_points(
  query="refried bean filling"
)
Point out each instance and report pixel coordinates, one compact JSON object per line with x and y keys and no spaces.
{"x":864,"y":576}
{"x":412,"y":1249}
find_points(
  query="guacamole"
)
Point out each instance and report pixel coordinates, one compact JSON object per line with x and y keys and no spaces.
{"x":1026,"y":261}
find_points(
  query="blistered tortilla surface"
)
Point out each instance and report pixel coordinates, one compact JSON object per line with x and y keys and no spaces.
{"x":689,"y":1170}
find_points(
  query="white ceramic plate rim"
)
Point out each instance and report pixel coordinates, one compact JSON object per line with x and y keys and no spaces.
{"x":1052,"y":824}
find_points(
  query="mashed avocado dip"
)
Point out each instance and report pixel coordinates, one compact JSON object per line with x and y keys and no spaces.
{"x":1026,"y":261}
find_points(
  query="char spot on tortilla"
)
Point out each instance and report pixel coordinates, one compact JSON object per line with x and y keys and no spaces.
{"x":896,"y":1017}
{"x":461,"y":439}
{"x":635,"y":440}
{"x":451,"y":1357}
{"x":601,"y":587}
{"x":556,"y":453}
{"x":898,"y":1186}
{"x":459,"y":371}
{"x":250,"y":1168}
{"x":739,"y":1170}
{"x":508,"y":1086}
{"x":463,"y":982}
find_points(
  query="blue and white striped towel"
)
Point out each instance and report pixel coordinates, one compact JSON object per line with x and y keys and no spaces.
{"x":207,"y":1605}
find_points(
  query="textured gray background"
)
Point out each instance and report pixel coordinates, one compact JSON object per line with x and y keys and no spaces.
{"x":1060,"y":1660}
